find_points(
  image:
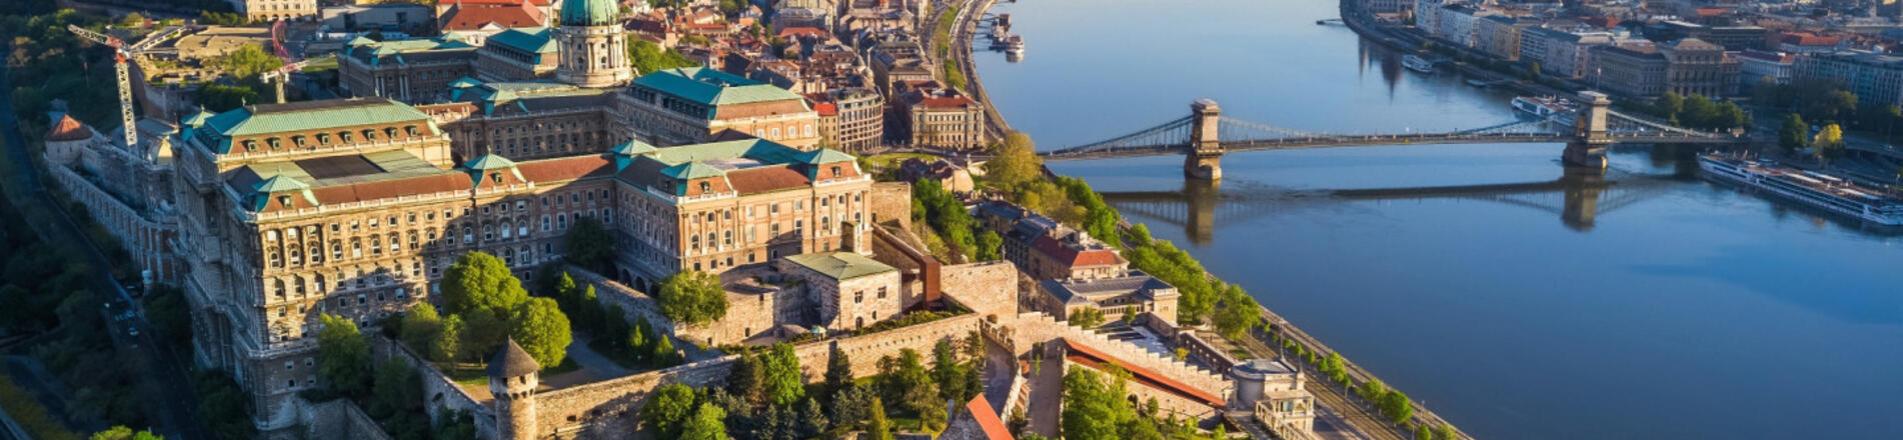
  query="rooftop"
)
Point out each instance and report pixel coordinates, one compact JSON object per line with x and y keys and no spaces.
{"x":1134,"y":282}
{"x":712,"y":87}
{"x":841,"y":265}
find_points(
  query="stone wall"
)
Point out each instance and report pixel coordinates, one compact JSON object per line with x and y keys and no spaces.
{"x":606,"y":409}
{"x":892,"y":201}
{"x":1167,"y":402}
{"x":987,"y":288}
{"x":440,"y":394}
{"x":1035,"y":328}
{"x":634,"y":304}
{"x":337,"y":420}
{"x":146,"y":241}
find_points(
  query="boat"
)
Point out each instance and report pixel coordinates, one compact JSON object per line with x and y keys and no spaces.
{"x":1014,"y":46}
{"x":1417,"y":64}
{"x":1547,"y":108}
{"x":1476,"y":82}
{"x":1830,"y":193}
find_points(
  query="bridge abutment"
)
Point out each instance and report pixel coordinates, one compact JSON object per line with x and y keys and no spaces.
{"x":1587,"y":150}
{"x":1204,"y":161}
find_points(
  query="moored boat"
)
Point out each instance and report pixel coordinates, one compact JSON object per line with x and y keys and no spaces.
{"x":1818,"y":190}
{"x":1417,"y":64}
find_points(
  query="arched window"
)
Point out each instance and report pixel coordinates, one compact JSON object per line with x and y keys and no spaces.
{"x":277,"y":288}
{"x":320,"y":283}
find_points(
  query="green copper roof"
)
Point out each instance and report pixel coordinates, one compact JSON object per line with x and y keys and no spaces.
{"x":825,"y":155}
{"x":841,"y":265}
{"x":308,"y":116}
{"x":465,"y":82}
{"x":634,"y":147}
{"x":196,"y":119}
{"x":532,"y":40}
{"x":280,"y":183}
{"x":757,"y":149}
{"x":489,"y":162}
{"x":692,"y":170}
{"x":712,"y":87}
{"x":590,"y":12}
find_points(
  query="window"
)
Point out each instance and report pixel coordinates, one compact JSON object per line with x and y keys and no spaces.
{"x":882,"y":292}
{"x":858,"y":296}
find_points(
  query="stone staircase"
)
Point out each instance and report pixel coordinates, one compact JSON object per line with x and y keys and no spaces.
{"x":1035,"y":327}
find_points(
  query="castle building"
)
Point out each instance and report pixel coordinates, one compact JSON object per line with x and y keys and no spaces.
{"x":418,"y":70}
{"x":122,"y":188}
{"x":594,"y":54}
{"x":525,"y":120}
{"x":274,"y":10}
{"x":692,"y":105}
{"x":354,"y":207}
{"x":513,"y":377}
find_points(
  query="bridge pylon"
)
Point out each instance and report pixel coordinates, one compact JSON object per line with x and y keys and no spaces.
{"x":1587,"y":149}
{"x":1204,"y":158}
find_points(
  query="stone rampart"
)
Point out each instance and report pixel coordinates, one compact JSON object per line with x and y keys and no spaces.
{"x":1033,"y":328}
{"x":634,"y":304}
{"x":988,"y":288}
{"x":891,"y":202}
{"x":337,"y":420}
{"x":440,"y":393}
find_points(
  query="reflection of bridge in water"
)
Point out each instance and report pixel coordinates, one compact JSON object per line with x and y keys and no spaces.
{"x":1577,"y":198}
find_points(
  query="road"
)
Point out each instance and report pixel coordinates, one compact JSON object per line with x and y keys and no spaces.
{"x":163,"y":380}
{"x":1346,"y":417}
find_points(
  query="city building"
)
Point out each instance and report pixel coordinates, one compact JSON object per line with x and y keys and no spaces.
{"x":1042,"y":248}
{"x":526,"y":120}
{"x":1757,"y":67}
{"x":480,"y":20}
{"x":416,"y":70}
{"x":1874,"y":77}
{"x":857,"y":118}
{"x":1387,"y":6}
{"x":1272,"y":391}
{"x":692,"y":105}
{"x":407,"y":18}
{"x":1560,"y":53}
{"x":1809,"y":42}
{"x":898,"y":61}
{"x":1130,"y":293}
{"x":274,"y":10}
{"x":939,"y":117}
{"x":519,"y":54}
{"x":1698,"y":67}
{"x":1455,"y":23}
{"x":1629,"y":69}
{"x":850,"y":290}
{"x":1499,"y":36}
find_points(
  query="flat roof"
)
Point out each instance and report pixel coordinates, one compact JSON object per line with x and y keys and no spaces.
{"x":841,"y":265}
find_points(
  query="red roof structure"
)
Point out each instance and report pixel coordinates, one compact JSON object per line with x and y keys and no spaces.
{"x":987,"y":418}
{"x":68,"y":129}
{"x":1087,"y":355}
{"x":508,"y":14}
{"x":1071,"y":256}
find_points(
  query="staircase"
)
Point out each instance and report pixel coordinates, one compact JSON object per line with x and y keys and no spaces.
{"x":1036,"y":327}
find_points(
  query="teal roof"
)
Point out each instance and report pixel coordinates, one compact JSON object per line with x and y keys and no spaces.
{"x":532,"y":40}
{"x":825,"y":155}
{"x":712,"y":87}
{"x":634,"y":147}
{"x":841,"y":265}
{"x":757,"y":149}
{"x":692,"y":170}
{"x":590,"y":12}
{"x":280,"y":183}
{"x":488,"y":162}
{"x":196,"y":119}
{"x":465,"y":82}
{"x":307,"y":116}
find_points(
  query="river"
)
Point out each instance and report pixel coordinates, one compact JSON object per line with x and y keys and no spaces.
{"x":1511,"y":299}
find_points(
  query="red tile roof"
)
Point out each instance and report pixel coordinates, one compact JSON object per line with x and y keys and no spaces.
{"x":384,"y":189}
{"x":987,"y":418}
{"x":945,"y":102}
{"x":567,"y":168}
{"x":1074,"y":257}
{"x":826,"y":109}
{"x":1810,"y":39}
{"x":802,"y":31}
{"x":766,"y":179}
{"x":469,"y":18}
{"x":490,"y":2}
{"x":68,"y":129}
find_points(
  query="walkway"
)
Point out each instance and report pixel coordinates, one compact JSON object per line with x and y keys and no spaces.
{"x":594,"y":366}
{"x":1047,"y":396}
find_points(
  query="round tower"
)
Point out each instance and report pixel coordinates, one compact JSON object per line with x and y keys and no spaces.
{"x":67,"y":140}
{"x":512,"y":382}
{"x":594,"y":52}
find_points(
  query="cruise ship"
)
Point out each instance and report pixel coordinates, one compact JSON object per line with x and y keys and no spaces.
{"x":1823,"y":191}
{"x":1417,"y":64}
{"x":1547,"y":108}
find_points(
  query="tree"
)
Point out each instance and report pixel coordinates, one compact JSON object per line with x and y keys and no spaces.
{"x":1397,"y":407}
{"x":343,"y":357}
{"x":219,"y":98}
{"x":1445,"y":431}
{"x":747,"y":379}
{"x":878,"y":425}
{"x":811,"y":422}
{"x":667,"y":412}
{"x":1373,"y":390}
{"x":482,"y":332}
{"x":479,"y":281}
{"x":1829,"y":142}
{"x":909,"y":385}
{"x":1088,"y":317}
{"x":448,"y":343}
{"x":1533,"y":71}
{"x":1730,"y":115}
{"x":784,"y":384}
{"x":1016,"y":162}
{"x":1794,"y":134}
{"x":1238,"y":314}
{"x":852,"y":406}
{"x":709,"y":423}
{"x":838,"y":373}
{"x":421,"y":327}
{"x":542,"y":330}
{"x":1699,"y":112}
{"x":247,"y":62}
{"x":589,"y":245}
{"x":1669,"y":105}
{"x":990,"y":246}
{"x":1423,"y":432}
{"x":123,"y":433}
{"x":693,"y":297}
{"x":947,"y":371}
{"x":1087,"y":412}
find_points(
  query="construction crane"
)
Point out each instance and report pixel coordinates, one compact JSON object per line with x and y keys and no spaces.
{"x":122,"y":53}
{"x":278,"y":76}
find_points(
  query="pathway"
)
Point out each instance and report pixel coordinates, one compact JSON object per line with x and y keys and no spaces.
{"x":594,"y":367}
{"x":1047,"y":396}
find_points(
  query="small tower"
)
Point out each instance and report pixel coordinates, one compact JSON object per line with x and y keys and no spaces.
{"x":67,"y":140}
{"x":512,"y":381}
{"x":594,"y":53}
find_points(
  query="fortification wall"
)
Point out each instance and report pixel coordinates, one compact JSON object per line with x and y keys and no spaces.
{"x":892,"y":201}
{"x":1034,"y":328}
{"x":440,"y":394}
{"x":987,"y":288}
{"x":337,"y":420}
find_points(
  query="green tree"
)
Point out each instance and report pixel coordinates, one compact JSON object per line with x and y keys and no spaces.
{"x":877,"y":424}
{"x":343,"y":356}
{"x":784,"y":384}
{"x":1669,"y":106}
{"x":1396,"y":406}
{"x":667,"y":412}
{"x":1016,"y":162}
{"x":247,"y":62}
{"x":1423,"y":432}
{"x":448,"y":343}
{"x":540,"y":327}
{"x":219,"y":98}
{"x":838,"y":372}
{"x":1088,"y":317}
{"x":811,"y":422}
{"x":124,"y":433}
{"x":482,"y":333}
{"x":693,"y":297}
{"x":746,"y":380}
{"x":589,"y":245}
{"x":1794,"y":134}
{"x":1730,"y":115}
{"x":479,"y":281}
{"x":1087,"y":411}
{"x":852,"y":406}
{"x":1445,"y":431}
{"x":421,"y":327}
{"x":910,"y":385}
{"x":990,"y":246}
{"x":947,"y":371}
{"x":1829,"y":142}
{"x":1373,"y":390}
{"x":1699,"y":112}
{"x":1238,"y":314}
{"x":709,"y":423}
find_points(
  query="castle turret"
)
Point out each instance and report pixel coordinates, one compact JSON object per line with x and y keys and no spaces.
{"x":512,"y":381}
{"x":594,"y":52}
{"x":66,"y":140}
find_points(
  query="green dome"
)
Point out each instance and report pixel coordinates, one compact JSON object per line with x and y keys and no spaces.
{"x":590,"y":12}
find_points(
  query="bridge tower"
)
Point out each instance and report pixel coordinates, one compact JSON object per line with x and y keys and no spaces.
{"x":1203,"y":161}
{"x":1587,"y":149}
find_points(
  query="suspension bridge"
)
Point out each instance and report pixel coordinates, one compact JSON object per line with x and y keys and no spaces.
{"x":1577,"y":198}
{"x":1205,"y":135}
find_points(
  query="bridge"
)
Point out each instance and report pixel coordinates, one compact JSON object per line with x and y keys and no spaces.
{"x":1205,"y":135}
{"x":1577,"y":198}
